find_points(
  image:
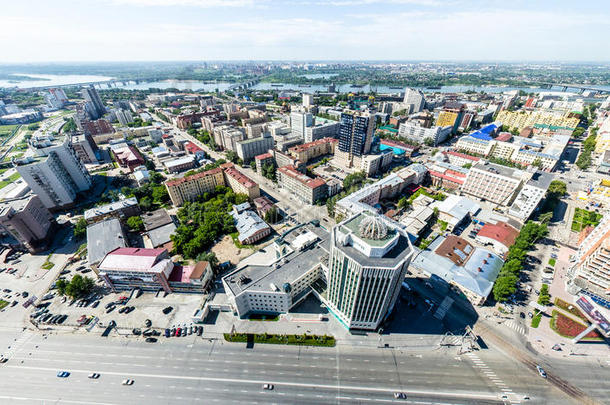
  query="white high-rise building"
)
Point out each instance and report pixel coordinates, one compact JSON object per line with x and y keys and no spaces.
{"x":55,"y":173}
{"x":590,"y":273}
{"x":368,"y":261}
{"x":123,"y":116}
{"x":307,"y":100}
{"x":413,"y":132}
{"x":56,"y":98}
{"x":299,"y":121}
{"x":415,"y":99}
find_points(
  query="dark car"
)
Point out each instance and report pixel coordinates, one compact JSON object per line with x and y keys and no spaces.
{"x":95,"y":304}
{"x":63,"y":374}
{"x":199,"y":330}
{"x":110,"y":309}
{"x":122,"y":310}
{"x":25,"y":294}
{"x":167,"y":332}
{"x":167,"y":310}
{"x":151,"y":340}
{"x":172,"y":332}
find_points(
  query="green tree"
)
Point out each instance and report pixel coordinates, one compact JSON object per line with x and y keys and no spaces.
{"x":272,"y":215}
{"x":146,"y":203}
{"x":557,"y":188}
{"x":80,"y":228}
{"x":135,"y":223}
{"x":505,"y":286}
{"x":429,"y":141}
{"x":544,"y":298}
{"x":232,"y":156}
{"x":269,"y":171}
{"x":253,"y":165}
{"x":78,"y":287}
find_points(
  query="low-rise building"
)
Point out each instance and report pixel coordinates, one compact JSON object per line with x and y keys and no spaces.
{"x":128,"y":157}
{"x":180,"y":164}
{"x":263,"y":160}
{"x":530,"y":196}
{"x":250,"y":227}
{"x":495,"y":183}
{"x":104,"y":237}
{"x":500,"y":236}
{"x":121,"y":209}
{"x":456,"y":210}
{"x":446,"y":175}
{"x":239,"y":182}
{"x":452,"y":261}
{"x":461,"y":159}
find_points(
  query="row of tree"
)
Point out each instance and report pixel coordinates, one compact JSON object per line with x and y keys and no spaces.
{"x":508,"y":278}
{"x":584,"y":159}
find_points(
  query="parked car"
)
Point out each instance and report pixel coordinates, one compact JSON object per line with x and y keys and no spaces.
{"x":178,"y":332}
{"x":167,"y":310}
{"x":151,"y":340}
{"x":199,"y":330}
{"x":167,"y":332}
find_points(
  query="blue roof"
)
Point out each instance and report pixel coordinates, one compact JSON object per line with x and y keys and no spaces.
{"x":484,"y":133}
{"x":397,"y":151}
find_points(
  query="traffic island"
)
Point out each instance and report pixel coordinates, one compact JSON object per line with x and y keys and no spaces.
{"x":569,"y":328}
{"x":299,"y":340}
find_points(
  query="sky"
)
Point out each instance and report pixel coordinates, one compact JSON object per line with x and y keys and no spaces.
{"x":177,"y":30}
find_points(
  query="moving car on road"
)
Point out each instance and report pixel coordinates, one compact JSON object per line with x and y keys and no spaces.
{"x":94,"y":376}
{"x":63,"y":374}
{"x":400,"y":395}
{"x":128,"y":381}
{"x":267,"y":386}
{"x":541,"y":371}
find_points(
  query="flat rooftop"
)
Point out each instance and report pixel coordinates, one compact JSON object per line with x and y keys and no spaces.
{"x":102,"y":238}
{"x":259,"y":277}
{"x":108,"y":208}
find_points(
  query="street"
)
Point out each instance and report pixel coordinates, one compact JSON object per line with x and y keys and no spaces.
{"x":193,"y":369}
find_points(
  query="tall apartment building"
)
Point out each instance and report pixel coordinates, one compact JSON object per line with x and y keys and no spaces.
{"x":299,"y":121}
{"x":84,"y":147}
{"x":123,"y":116}
{"x":55,"y":173}
{"x":590,"y":273}
{"x":355,"y":137}
{"x":26,"y":220}
{"x":249,"y":148}
{"x":451,"y":115}
{"x":414,"y":99}
{"x":306,"y":189}
{"x":521,"y":119}
{"x":414,"y":132}
{"x":369,"y":257}
{"x":323,"y":129}
{"x":56,"y":98}
{"x":94,"y":105}
{"x":494,"y":183}
{"x":307,"y":100}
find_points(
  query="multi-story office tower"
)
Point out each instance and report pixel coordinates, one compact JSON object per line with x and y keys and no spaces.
{"x":299,"y":121}
{"x":369,"y":256}
{"x":415,"y":99}
{"x":55,"y":173}
{"x":356,"y":133}
{"x":495,"y":183}
{"x":95,"y":106}
{"x":27,"y":221}
{"x":590,"y":273}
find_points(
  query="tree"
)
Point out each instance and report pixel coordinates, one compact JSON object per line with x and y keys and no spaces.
{"x":272,"y":215}
{"x":150,"y":165}
{"x":211,"y":258}
{"x":78,"y":287}
{"x":429,"y":141}
{"x":544,"y":298}
{"x":505,"y":286}
{"x":80,"y":228}
{"x":146,"y":203}
{"x":232,"y":156}
{"x":269,"y":171}
{"x":557,"y":188}
{"x":467,"y":166}
{"x":537,"y":163}
{"x":135,"y":223}
{"x":253,"y":165}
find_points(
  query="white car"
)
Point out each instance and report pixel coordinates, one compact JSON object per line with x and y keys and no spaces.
{"x":94,"y":376}
{"x":127,"y":381}
{"x":267,"y":386}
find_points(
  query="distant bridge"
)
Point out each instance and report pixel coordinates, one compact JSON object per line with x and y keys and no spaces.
{"x":580,"y":87}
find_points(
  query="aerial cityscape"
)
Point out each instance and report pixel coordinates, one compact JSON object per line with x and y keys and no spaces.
{"x":308,"y":202}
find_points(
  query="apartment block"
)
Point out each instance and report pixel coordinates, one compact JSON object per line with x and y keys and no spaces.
{"x":27,"y":221}
{"x":412,"y":131}
{"x":306,"y":189}
{"x":494,"y":183}
{"x":590,"y":272}
{"x":312,"y":150}
{"x":239,"y":182}
{"x":249,"y":148}
{"x":190,"y":187}
{"x":322,"y":129}
{"x":521,"y":119}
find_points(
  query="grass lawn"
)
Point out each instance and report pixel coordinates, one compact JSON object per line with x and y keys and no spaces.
{"x":536,"y":320}
{"x":6,"y":130}
{"x":48,"y":264}
{"x":569,"y":308}
{"x":3,"y":304}
{"x":299,"y":340}
{"x":584,"y":218}
{"x":552,"y":262}
{"x":10,"y":179}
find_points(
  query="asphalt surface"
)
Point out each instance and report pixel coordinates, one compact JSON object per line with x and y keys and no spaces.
{"x":192,"y":369}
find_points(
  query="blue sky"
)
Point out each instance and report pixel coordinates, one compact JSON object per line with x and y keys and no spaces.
{"x":134,"y":30}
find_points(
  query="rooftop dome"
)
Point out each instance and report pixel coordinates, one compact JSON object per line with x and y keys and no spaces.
{"x":373,"y":228}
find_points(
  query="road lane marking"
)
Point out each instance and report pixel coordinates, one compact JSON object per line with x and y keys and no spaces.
{"x":279,"y":383}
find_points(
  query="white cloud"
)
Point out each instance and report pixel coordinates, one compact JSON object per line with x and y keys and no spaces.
{"x":190,"y":3}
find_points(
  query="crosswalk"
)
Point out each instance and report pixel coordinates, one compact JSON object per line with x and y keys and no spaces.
{"x":18,"y":344}
{"x":516,"y":326}
{"x":443,"y":308}
{"x":504,"y":392}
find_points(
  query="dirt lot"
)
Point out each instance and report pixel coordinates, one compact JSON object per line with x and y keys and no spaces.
{"x":227,"y":251}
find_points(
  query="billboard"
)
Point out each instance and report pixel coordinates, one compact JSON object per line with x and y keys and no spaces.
{"x":594,"y":316}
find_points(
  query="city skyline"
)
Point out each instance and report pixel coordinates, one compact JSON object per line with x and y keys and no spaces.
{"x":191,"y":30}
